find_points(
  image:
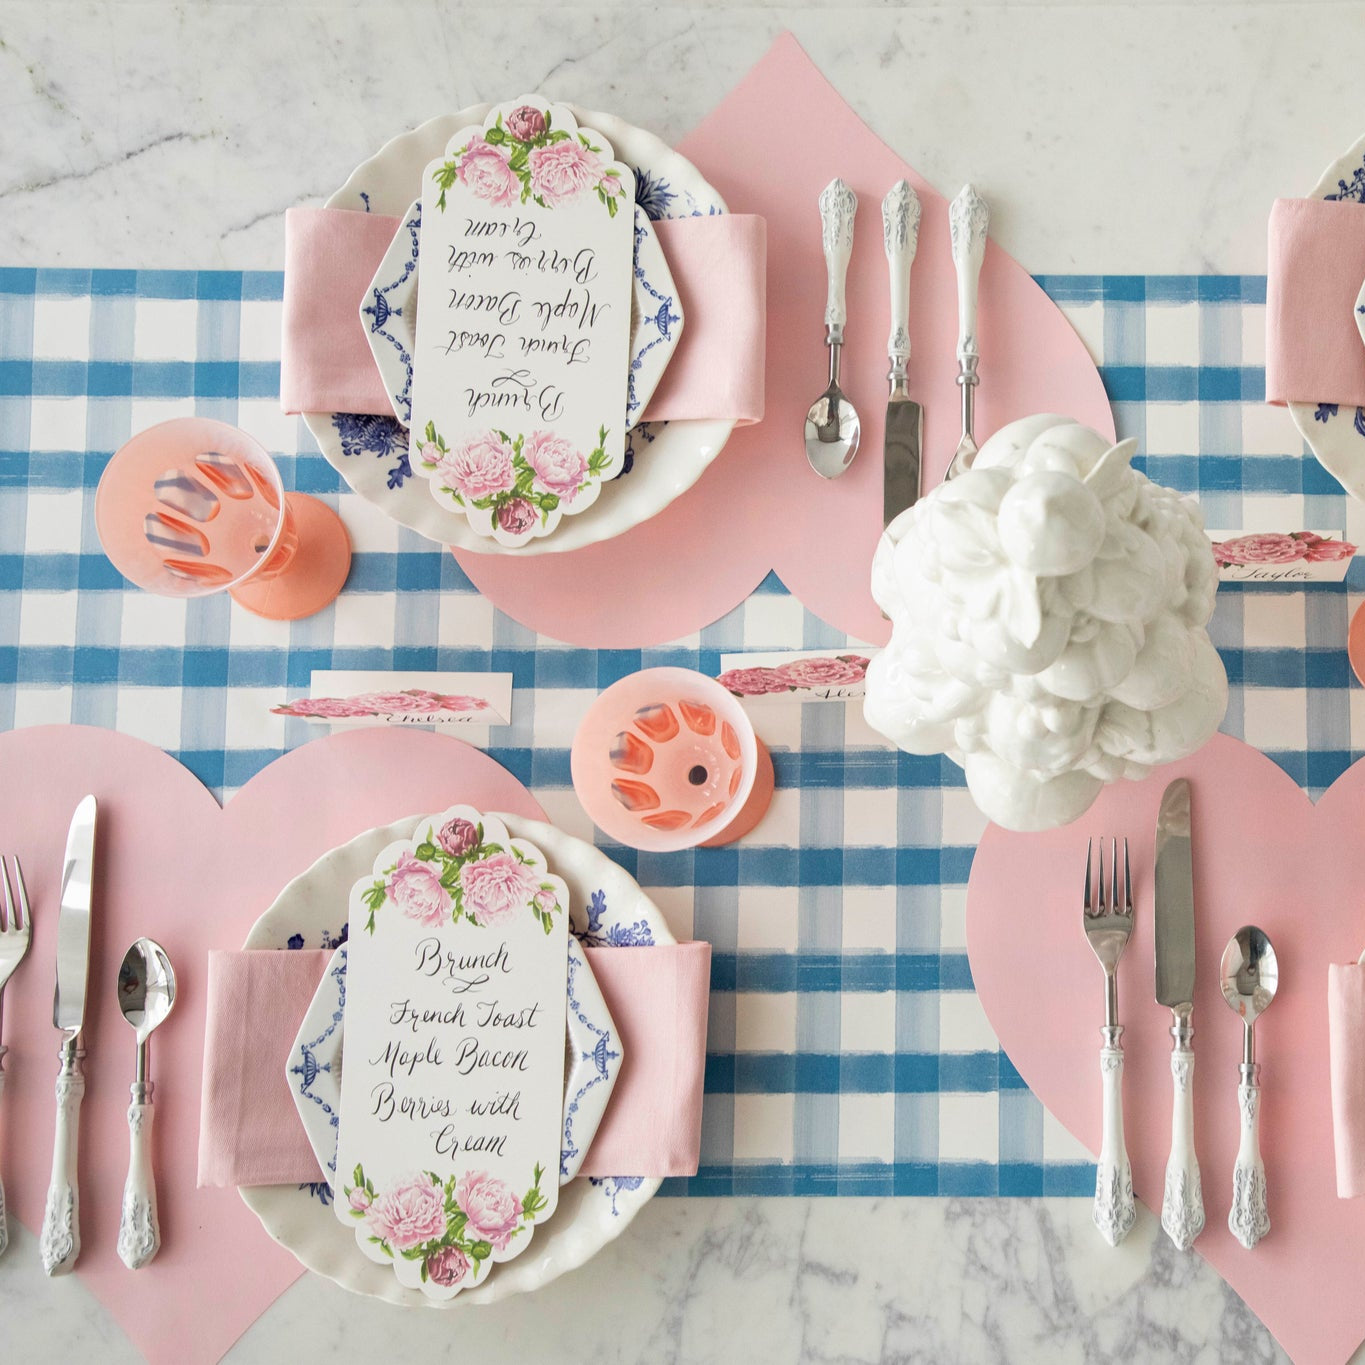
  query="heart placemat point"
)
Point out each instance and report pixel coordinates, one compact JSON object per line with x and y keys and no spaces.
{"x":1263,"y":854}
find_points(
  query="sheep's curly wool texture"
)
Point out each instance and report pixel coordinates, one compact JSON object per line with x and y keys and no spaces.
{"x":1048,"y":616}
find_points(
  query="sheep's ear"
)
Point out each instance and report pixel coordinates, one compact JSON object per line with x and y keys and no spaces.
{"x":1103,"y":478}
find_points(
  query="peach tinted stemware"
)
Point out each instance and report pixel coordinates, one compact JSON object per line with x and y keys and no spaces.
{"x":195,"y":506}
{"x":667,"y":759}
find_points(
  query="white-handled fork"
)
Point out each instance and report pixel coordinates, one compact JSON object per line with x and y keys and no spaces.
{"x":14,"y":935}
{"x":1108,"y":925}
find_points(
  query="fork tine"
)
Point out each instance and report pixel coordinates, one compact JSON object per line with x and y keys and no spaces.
{"x":7,"y":913}
{"x":1085,"y":904}
{"x":1127,"y":882}
{"x":25,"y":920}
{"x":1114,"y":848}
{"x":1104,"y":903}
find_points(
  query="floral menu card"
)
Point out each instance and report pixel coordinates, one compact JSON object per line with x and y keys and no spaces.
{"x":453,"y":1073}
{"x":523,"y":330}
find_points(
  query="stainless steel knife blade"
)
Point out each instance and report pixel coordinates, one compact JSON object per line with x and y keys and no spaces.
{"x":904,"y":442}
{"x":73,"y":920}
{"x":1174,"y":899}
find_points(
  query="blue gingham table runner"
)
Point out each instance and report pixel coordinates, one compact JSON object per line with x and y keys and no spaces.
{"x":848,"y":1052}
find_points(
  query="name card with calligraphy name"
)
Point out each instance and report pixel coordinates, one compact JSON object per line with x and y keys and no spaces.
{"x":523,"y":333}
{"x":453,"y":1083}
{"x":1284,"y":557}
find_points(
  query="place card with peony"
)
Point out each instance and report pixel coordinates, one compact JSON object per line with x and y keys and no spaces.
{"x":1286,"y":558}
{"x":1048,"y":616}
{"x":452,"y":1092}
{"x":347,"y":697}
{"x":797,"y":675}
{"x":523,"y":337}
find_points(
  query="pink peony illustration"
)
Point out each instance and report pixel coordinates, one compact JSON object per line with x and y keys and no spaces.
{"x":546,"y":901}
{"x":478,"y":468}
{"x":447,"y":1267}
{"x":359,"y":1199}
{"x":416,"y":890}
{"x":1270,"y":547}
{"x":611,"y":186}
{"x":526,"y":123}
{"x":493,"y":1210}
{"x":324,"y":708}
{"x":458,"y":837}
{"x":559,"y":467}
{"x":399,"y":703}
{"x":753,"y":682}
{"x":457,"y":701}
{"x":1321,"y":550}
{"x":517,"y":517}
{"x":825,"y":672}
{"x":409,"y":1214}
{"x":497,"y":887}
{"x":562,"y":171}
{"x":484,"y":169}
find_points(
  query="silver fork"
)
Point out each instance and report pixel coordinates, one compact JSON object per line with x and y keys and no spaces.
{"x":15,"y":924}
{"x":1108,"y":924}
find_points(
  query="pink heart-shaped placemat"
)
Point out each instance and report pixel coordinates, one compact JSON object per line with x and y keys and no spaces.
{"x":770,"y":147}
{"x":1263,"y":854}
{"x":173,"y":865}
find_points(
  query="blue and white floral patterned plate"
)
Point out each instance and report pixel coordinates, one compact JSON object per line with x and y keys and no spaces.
{"x":1336,"y":433}
{"x":389,"y":315}
{"x":665,"y":458}
{"x":607,"y":909}
{"x":592,"y":1061}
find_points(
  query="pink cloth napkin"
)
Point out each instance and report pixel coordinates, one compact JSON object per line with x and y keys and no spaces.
{"x":1346,"y":1042}
{"x":1314,"y":352}
{"x":719,"y":265}
{"x":329,"y":260}
{"x":249,"y":1130}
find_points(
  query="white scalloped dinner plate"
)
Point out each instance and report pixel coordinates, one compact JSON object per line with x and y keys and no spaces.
{"x":607,"y":908}
{"x":668,"y":457}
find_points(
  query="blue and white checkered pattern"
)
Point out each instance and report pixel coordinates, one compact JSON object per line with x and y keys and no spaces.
{"x":849,"y":1054}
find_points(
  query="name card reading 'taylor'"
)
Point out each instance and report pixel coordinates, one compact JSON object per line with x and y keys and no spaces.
{"x":452,"y":1085}
{"x":523,"y":329}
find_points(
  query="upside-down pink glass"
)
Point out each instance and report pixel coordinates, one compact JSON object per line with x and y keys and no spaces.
{"x":667,"y":759}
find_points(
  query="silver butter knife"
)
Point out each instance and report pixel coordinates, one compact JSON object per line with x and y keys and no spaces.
{"x":904,"y":417}
{"x":969,"y":220}
{"x":60,"y":1242}
{"x":1182,"y":1205}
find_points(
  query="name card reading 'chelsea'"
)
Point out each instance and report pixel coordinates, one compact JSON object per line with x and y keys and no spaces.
{"x":523,"y":329}
{"x":453,"y":1072}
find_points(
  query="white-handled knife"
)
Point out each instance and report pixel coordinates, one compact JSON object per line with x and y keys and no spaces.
{"x":1182,"y":1206}
{"x":904,"y":441}
{"x":59,"y":1244}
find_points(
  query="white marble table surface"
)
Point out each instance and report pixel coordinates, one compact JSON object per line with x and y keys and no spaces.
{"x":1143,"y":138}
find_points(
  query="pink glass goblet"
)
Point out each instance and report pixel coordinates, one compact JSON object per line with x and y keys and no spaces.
{"x":194,"y":506}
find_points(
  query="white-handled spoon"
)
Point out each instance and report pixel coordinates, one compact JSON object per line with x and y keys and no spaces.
{"x":1250,"y":975}
{"x":146,"y":995}
{"x":832,"y":426}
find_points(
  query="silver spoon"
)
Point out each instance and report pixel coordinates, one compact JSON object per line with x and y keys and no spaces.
{"x":146,"y":994}
{"x":832,"y":426}
{"x":1250,"y":975}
